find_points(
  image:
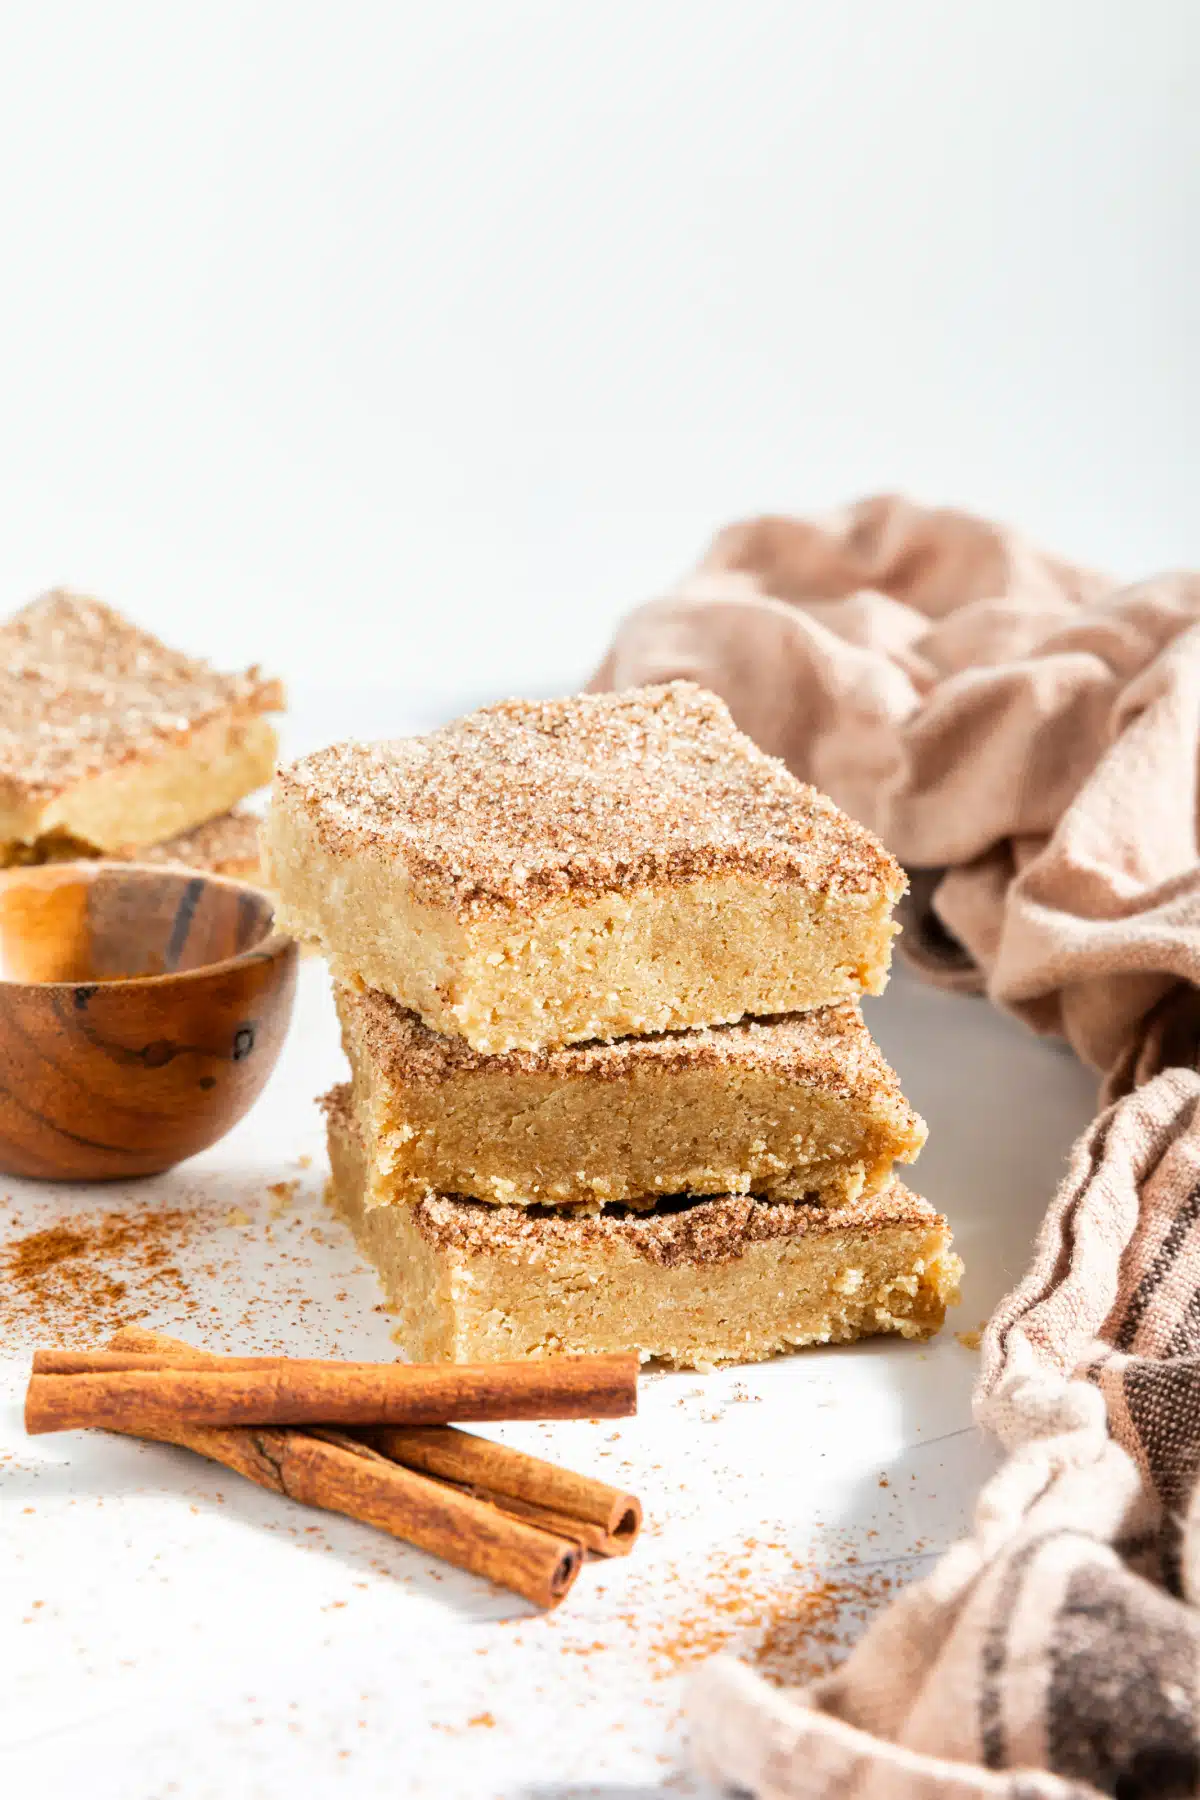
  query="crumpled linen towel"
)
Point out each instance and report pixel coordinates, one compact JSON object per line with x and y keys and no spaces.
{"x":1023,"y":734}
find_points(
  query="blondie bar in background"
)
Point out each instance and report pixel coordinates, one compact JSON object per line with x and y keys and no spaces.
{"x":113,"y":744}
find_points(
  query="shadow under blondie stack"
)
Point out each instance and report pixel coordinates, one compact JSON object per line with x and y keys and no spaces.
{"x":597,"y":963}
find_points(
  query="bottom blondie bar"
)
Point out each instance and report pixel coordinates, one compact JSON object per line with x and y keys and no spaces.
{"x":694,"y":1282}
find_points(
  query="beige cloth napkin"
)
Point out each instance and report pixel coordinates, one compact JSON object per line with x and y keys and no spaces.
{"x":1023,"y":735}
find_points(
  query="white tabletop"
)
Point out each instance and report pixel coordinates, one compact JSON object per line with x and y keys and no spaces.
{"x":169,"y":1630}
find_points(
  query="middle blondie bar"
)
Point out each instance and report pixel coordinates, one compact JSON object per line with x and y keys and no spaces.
{"x":801,"y":1107}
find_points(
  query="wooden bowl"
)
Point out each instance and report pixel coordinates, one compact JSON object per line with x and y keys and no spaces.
{"x":141,"y":1012}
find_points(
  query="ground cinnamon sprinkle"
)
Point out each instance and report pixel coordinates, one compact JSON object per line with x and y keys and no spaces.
{"x":815,"y":1628}
{"x":93,"y":1272}
{"x":793,"y":1628}
{"x":208,"y":1254}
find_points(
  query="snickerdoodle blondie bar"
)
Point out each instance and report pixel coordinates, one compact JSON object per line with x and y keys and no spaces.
{"x":802,"y":1107}
{"x":110,"y":741}
{"x":225,"y":846}
{"x":612,"y":864}
{"x":696,"y":1282}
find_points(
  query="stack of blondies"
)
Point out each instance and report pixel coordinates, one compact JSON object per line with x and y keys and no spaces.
{"x":597,"y":963}
{"x":114,"y":745}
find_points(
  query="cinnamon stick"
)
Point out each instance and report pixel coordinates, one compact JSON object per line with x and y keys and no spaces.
{"x":589,"y":1537}
{"x":293,"y":1391}
{"x":341,"y":1474}
{"x":540,"y":1492}
{"x":603,"y":1518}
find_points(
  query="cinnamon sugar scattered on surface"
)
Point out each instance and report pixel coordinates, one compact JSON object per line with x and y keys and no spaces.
{"x":282,"y":1194}
{"x":815,"y":1629}
{"x":793,"y":1626}
{"x":211,"y":1259}
{"x":94,"y":1272}
{"x":740,"y":1395}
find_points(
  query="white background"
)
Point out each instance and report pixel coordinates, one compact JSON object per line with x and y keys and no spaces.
{"x":413,"y":343}
{"x":403,"y":348}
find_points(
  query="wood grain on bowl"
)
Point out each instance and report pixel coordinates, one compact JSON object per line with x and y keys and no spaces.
{"x":141,"y":1012}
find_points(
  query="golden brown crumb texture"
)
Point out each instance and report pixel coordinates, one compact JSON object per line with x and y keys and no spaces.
{"x":679,"y":1231}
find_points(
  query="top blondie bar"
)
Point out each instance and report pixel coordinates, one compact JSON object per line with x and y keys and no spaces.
{"x":111,"y":741}
{"x":543,"y":872}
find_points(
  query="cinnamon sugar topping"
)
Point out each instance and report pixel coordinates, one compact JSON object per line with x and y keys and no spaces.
{"x":230,"y":841}
{"x":597,"y":793}
{"x":82,"y":690}
{"x":679,"y":1231}
{"x":830,"y":1049}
